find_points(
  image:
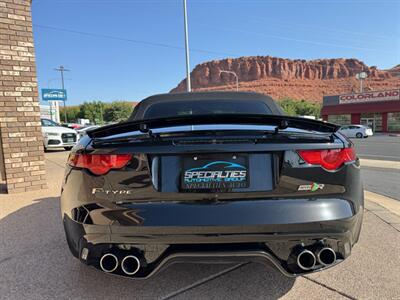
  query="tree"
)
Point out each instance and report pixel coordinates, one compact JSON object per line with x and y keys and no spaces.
{"x":300,"y":107}
{"x":73,"y":113}
{"x":93,"y":111}
{"x":117,"y":111}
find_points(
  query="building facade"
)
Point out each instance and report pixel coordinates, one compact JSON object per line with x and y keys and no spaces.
{"x":379,"y":110}
{"x":22,"y":165}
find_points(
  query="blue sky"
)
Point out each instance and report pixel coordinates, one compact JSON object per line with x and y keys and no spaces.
{"x":130,"y":49}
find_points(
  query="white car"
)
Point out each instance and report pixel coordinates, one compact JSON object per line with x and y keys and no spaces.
{"x":358,"y":131}
{"x":83,"y":131}
{"x":56,"y":136}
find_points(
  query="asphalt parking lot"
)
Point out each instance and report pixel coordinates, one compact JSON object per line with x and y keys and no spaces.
{"x":35,"y":262}
{"x":380,"y":147}
{"x":377,"y":179}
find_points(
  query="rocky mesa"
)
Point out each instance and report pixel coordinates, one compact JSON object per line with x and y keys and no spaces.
{"x":285,"y":78}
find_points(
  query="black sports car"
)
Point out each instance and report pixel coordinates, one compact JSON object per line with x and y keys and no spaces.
{"x":212,"y":177}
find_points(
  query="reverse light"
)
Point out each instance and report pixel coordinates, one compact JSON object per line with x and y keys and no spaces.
{"x":329,"y":159}
{"x":99,"y":164}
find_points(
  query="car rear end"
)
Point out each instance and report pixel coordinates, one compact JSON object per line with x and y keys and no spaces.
{"x":142,"y":195}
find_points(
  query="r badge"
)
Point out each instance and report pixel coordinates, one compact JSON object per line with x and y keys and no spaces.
{"x":313,"y":187}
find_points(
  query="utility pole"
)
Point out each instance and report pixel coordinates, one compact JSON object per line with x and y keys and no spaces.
{"x":234,"y":74}
{"x":61,"y":69}
{"x":188,"y":83}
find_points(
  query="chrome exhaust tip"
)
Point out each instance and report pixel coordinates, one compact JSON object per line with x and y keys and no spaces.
{"x":326,"y":256}
{"x":108,"y":262}
{"x":130,"y":265}
{"x":306,"y":260}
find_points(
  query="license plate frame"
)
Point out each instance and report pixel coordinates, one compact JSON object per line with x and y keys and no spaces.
{"x":213,"y":173}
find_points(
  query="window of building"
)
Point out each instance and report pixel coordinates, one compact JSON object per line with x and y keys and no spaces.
{"x":394,"y":121}
{"x":340,"y":119}
{"x":372,"y":120}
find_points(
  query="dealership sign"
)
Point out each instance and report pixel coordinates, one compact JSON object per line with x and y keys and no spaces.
{"x":54,"y":94}
{"x":370,"y":97}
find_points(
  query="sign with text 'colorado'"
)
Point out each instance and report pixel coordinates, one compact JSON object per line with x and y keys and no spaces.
{"x":54,"y":94}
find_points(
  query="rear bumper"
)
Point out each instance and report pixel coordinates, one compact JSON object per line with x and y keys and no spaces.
{"x":259,"y":230}
{"x":184,"y":222}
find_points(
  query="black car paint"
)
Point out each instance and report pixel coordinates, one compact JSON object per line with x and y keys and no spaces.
{"x":136,"y":206}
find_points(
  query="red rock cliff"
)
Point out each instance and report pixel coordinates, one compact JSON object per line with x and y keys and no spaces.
{"x":280,"y":78}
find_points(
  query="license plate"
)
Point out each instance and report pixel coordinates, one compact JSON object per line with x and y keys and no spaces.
{"x":215,"y":172}
{"x":70,"y":140}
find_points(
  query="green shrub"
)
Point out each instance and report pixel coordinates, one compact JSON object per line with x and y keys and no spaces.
{"x":300,"y":107}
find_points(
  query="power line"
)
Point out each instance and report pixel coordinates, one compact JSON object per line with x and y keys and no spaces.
{"x":111,"y":37}
{"x":306,"y":41}
{"x":318,"y":28}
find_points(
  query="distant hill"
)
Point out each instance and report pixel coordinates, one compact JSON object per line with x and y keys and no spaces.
{"x":285,"y":78}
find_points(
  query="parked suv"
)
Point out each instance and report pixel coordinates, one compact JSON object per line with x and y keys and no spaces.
{"x":358,"y":131}
{"x":57,"y":136}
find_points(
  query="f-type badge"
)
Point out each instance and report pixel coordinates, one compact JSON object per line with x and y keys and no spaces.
{"x":111,"y":192}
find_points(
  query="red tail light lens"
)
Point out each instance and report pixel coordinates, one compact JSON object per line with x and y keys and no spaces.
{"x":330,"y":159}
{"x":99,"y":164}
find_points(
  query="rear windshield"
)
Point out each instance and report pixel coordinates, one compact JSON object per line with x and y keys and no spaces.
{"x":205,"y":107}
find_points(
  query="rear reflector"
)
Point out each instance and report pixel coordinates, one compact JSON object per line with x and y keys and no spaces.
{"x":330,"y":159}
{"x":99,"y":164}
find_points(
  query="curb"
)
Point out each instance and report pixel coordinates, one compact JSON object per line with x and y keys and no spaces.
{"x":385,"y":208}
{"x":390,"y":204}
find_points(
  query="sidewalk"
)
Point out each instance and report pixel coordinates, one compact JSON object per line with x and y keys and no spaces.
{"x":55,"y":172}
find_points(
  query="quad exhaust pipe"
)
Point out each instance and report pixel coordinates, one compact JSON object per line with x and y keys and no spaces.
{"x":306,"y":259}
{"x":326,"y":256}
{"x":108,"y":262}
{"x":130,"y":264}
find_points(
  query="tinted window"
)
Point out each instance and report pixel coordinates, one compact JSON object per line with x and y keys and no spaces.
{"x":46,"y":122}
{"x":205,"y":107}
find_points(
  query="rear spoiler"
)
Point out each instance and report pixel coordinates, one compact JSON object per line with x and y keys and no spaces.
{"x":280,"y":121}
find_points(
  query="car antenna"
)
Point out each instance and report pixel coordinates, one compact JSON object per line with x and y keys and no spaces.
{"x":283,"y":124}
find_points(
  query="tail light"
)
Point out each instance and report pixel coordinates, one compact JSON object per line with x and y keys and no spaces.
{"x":329,"y":159}
{"x":99,"y":164}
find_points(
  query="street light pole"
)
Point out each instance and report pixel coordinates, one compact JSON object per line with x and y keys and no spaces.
{"x":188,"y":83}
{"x":361,"y":76}
{"x":234,"y":74}
{"x":61,"y":69}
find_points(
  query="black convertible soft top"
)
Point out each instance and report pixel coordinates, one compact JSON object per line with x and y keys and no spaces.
{"x":275,"y":118}
{"x":140,"y":109}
